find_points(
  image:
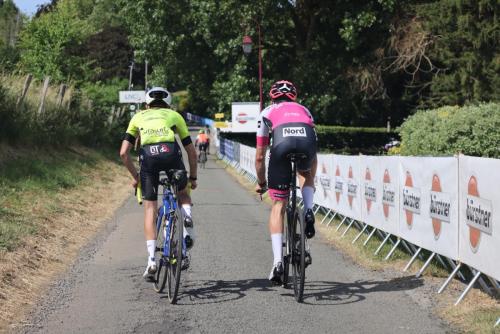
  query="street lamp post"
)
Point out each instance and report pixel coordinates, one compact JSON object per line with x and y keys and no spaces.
{"x":247,"y":48}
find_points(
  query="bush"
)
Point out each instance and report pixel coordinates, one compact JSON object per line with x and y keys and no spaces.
{"x":471,"y":130}
{"x":337,"y":139}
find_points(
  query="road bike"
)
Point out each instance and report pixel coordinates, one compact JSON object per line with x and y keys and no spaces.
{"x":202,"y":156}
{"x":170,"y":245}
{"x":294,"y":245}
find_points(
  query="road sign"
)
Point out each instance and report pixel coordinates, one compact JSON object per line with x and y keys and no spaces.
{"x":219,"y":115}
{"x":132,"y":96}
{"x":220,"y":125}
{"x":132,"y":107}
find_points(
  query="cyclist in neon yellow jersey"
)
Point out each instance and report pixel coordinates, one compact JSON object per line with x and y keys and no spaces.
{"x":157,"y":126}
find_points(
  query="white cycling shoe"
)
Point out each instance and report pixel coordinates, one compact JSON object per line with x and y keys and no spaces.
{"x":150,"y":272}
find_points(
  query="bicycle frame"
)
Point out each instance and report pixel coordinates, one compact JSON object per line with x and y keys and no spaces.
{"x":169,"y":205}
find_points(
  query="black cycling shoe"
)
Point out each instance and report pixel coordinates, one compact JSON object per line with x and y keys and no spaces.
{"x":276,"y":274}
{"x":185,"y":263}
{"x":309,"y":220}
{"x":188,"y":222}
{"x":189,"y":241}
{"x":307,"y":259}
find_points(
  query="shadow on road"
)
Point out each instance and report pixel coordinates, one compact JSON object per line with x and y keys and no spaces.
{"x":338,"y":293}
{"x":315,"y":293}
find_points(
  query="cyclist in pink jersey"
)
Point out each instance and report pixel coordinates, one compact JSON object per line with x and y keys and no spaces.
{"x":291,"y":127}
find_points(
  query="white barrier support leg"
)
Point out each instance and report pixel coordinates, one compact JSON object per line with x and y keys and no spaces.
{"x":482,"y":283}
{"x":341,"y":223}
{"x":317,"y":209}
{"x":370,"y":236}
{"x":413,"y":258}
{"x":326,"y":216}
{"x":498,"y":323}
{"x":360,"y":234}
{"x":467,"y":289}
{"x":392,"y":249}
{"x":331,"y":219}
{"x":448,"y":280}
{"x":348,"y":227}
{"x":382,"y":244}
{"x":426,"y":264}
{"x":453,"y":265}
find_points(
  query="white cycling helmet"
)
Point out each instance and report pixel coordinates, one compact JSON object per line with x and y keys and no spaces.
{"x":158,"y":94}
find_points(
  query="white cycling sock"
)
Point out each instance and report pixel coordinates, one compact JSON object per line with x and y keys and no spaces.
{"x":187,"y":209}
{"x":307,"y":196}
{"x":151,"y":245}
{"x":277,"y":241}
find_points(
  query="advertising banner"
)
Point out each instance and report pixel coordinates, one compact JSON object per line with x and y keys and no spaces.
{"x":380,"y":192}
{"x":429,"y":203}
{"x":347,"y":191}
{"x":479,"y":180}
{"x":132,"y":96}
{"x":324,"y":181}
{"x":244,"y":116}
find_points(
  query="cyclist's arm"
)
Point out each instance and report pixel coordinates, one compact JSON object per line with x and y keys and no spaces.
{"x":183,"y":132}
{"x":127,"y":161}
{"x":262,"y":143}
{"x":128,"y":142}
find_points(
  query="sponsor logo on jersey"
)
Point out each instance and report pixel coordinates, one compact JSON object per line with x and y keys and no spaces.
{"x":294,"y":132}
{"x":154,"y":150}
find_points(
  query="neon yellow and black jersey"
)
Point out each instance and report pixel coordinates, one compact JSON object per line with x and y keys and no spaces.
{"x":157,"y":126}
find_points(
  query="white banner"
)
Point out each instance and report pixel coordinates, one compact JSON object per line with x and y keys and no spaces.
{"x":347,"y":186}
{"x":324,"y":181}
{"x":429,"y":203}
{"x":479,"y":219}
{"x":244,"y":116}
{"x":247,"y":159}
{"x":380,"y":192}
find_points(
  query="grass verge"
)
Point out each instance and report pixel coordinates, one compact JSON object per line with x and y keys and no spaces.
{"x":477,"y":313}
{"x":52,"y":202}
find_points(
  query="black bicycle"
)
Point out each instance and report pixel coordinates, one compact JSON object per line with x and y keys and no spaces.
{"x":294,"y":252}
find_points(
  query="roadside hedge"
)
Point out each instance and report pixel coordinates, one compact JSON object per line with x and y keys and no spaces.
{"x":471,"y":130}
{"x":337,"y":139}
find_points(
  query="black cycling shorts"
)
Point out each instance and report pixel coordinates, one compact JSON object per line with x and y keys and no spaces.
{"x":289,"y":138}
{"x":153,"y":159}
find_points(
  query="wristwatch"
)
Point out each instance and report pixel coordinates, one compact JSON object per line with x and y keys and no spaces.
{"x":193,"y":178}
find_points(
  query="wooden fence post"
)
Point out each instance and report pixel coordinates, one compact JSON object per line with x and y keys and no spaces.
{"x":111,"y":115}
{"x":43,"y":95}
{"x":27,"y":83}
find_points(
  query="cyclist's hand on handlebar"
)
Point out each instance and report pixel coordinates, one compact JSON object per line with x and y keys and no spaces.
{"x":135,"y":181}
{"x":193,"y":184}
{"x":261,"y":188}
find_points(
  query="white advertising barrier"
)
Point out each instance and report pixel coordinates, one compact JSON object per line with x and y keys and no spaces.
{"x":244,"y":116}
{"x":479,"y":214}
{"x":347,"y":190}
{"x":380,"y":192}
{"x":324,"y":181}
{"x":247,"y":159}
{"x":429,"y":203}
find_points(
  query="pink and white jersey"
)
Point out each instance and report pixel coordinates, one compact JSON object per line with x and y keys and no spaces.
{"x":279,"y":114}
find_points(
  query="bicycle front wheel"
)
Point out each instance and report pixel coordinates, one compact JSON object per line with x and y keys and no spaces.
{"x":175,"y":256}
{"x":298,"y":255}
{"x":161,"y":263}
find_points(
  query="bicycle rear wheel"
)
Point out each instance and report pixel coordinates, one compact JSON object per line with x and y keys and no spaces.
{"x":161,"y":262}
{"x":298,"y":255}
{"x":287,"y":249}
{"x":175,"y":257}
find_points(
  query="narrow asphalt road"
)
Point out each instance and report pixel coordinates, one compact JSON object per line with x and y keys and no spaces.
{"x":226,"y":289}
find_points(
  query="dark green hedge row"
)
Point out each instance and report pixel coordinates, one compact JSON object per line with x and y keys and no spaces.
{"x":337,"y":139}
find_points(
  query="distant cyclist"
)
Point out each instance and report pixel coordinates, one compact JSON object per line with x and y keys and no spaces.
{"x":292,"y":129}
{"x":202,"y":141}
{"x":157,"y":126}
